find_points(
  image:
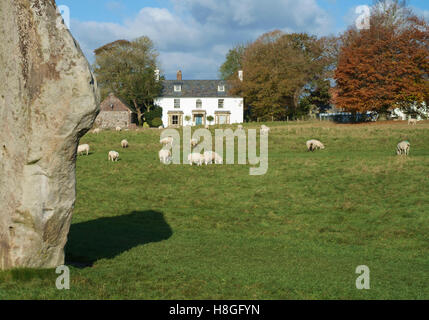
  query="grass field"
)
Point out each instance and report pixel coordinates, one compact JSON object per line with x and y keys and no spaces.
{"x":143,"y":230}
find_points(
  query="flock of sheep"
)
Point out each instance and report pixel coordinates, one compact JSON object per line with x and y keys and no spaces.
{"x":210,"y":157}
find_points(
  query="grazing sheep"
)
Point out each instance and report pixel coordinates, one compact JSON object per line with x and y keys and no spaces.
{"x":196,"y":158}
{"x":164,"y":156}
{"x":82,"y":149}
{"x":97,"y":130}
{"x":166,"y":141}
{"x":194,"y":142}
{"x":161,"y":127}
{"x":113,"y":156}
{"x":124,"y":144}
{"x":412,"y":122}
{"x":118,"y":129}
{"x":210,"y":157}
{"x":240,"y":127}
{"x":314,"y":144}
{"x":265,"y":130}
{"x":403,"y":148}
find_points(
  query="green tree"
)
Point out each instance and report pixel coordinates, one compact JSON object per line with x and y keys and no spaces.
{"x":233,"y":62}
{"x":127,"y":68}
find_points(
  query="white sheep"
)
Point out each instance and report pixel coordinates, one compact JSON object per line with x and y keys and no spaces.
{"x":196,"y":158}
{"x":113,"y":156}
{"x":194,"y":142}
{"x":164,"y":156}
{"x":240,"y":127}
{"x":265,"y":130}
{"x":82,"y":149}
{"x":412,"y":121}
{"x":314,"y":144}
{"x":161,"y":127}
{"x":118,"y":129}
{"x":403,"y":148}
{"x":210,"y":157}
{"x":97,"y":130}
{"x":167,"y":141}
{"x":124,"y":144}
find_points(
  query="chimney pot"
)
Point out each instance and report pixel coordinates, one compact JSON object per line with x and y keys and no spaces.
{"x":179,"y":75}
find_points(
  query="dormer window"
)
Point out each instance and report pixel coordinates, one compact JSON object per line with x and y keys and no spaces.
{"x":177,"y":88}
{"x":221,"y":88}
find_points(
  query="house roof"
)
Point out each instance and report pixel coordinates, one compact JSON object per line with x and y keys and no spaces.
{"x":196,"y":89}
{"x":113,"y":103}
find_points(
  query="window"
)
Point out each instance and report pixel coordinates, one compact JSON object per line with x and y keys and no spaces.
{"x":175,"y":120}
{"x":221,"y":103}
{"x":221,"y":88}
{"x":199,"y":104}
{"x":177,"y":103}
{"x":177,"y":88}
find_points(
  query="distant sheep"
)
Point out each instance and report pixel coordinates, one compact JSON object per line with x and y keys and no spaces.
{"x":97,"y":130}
{"x":314,"y":144}
{"x":210,"y":157}
{"x":113,"y":156}
{"x":265,"y":130}
{"x":240,"y":127}
{"x":167,"y":141}
{"x":118,"y":129}
{"x":161,"y":127}
{"x":124,"y":144}
{"x":164,"y":156}
{"x":196,"y":158}
{"x":403,"y":148}
{"x":82,"y":149}
{"x":412,"y":122}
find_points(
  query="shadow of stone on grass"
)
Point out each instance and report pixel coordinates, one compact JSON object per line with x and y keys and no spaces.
{"x":106,"y":238}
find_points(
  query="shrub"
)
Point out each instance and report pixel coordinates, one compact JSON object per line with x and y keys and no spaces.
{"x":145,"y":125}
{"x":156,"y":112}
{"x":157,"y":122}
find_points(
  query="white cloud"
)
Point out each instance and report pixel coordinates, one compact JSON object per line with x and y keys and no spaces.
{"x":196,"y":34}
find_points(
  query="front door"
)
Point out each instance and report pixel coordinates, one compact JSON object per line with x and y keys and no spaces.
{"x":198,"y":120}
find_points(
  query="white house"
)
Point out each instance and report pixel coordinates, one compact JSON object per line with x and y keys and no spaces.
{"x":199,"y":99}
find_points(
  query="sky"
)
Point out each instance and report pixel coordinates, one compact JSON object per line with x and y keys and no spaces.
{"x":195,"y":35}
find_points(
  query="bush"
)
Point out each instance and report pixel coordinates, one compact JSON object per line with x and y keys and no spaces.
{"x":156,"y":112}
{"x":157,"y":122}
{"x":145,"y":125}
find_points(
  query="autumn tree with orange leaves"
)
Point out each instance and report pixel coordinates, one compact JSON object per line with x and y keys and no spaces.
{"x":385,"y":66}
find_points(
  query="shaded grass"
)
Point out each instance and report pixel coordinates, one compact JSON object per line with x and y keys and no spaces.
{"x":142,"y":230}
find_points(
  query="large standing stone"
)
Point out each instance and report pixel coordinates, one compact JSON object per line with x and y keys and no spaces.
{"x":48,"y":100}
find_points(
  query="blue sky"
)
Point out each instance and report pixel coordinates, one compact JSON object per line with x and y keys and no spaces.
{"x":195,"y":35}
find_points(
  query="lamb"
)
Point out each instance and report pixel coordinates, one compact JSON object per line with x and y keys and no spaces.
{"x":403,"y":148}
{"x":196,"y":158}
{"x":118,"y":129}
{"x":83,"y":148}
{"x":210,"y":157}
{"x":314,"y":145}
{"x":97,"y":130}
{"x":194,"y":142}
{"x":265,"y":130}
{"x":164,"y":156}
{"x":113,"y":156}
{"x":167,"y":141}
{"x":412,"y":122}
{"x":124,"y":144}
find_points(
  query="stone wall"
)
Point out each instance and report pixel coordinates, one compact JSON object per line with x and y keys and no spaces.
{"x":113,"y":119}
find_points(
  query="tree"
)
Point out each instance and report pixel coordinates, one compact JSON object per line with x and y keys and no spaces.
{"x":127,"y":69}
{"x":210,"y":119}
{"x":385,"y":66}
{"x":233,"y":62}
{"x":278,"y":68}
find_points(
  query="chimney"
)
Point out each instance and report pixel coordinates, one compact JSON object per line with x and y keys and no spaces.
{"x":240,"y":75}
{"x":157,"y":75}
{"x":179,"y":75}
